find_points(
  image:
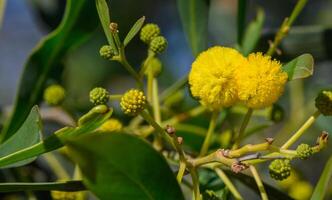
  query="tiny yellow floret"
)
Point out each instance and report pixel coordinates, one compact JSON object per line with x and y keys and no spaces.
{"x":261,"y":82}
{"x":111,"y":125}
{"x":212,"y":77}
{"x":133,"y":102}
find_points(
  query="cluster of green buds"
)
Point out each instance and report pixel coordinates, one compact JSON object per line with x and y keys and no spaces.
{"x":150,"y":34}
{"x":54,"y":95}
{"x":323,"y":102}
{"x":280,"y":169}
{"x":106,"y":52}
{"x":304,"y":151}
{"x":99,"y":96}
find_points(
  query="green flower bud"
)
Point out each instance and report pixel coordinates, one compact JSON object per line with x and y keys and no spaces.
{"x":148,"y":32}
{"x":304,"y":151}
{"x":54,"y":95}
{"x":99,"y":96}
{"x":133,"y":102}
{"x":324,"y":102}
{"x":111,"y":125}
{"x":280,"y":169}
{"x":277,"y":113}
{"x":155,"y":65}
{"x":158,"y":44}
{"x":106,"y":52}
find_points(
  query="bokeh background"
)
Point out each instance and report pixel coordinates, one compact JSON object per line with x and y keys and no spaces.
{"x":26,"y":22}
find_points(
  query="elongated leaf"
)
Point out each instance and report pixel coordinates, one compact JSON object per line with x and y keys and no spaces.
{"x":134,"y":30}
{"x":300,"y":67}
{"x":119,"y":166}
{"x":28,"y":135}
{"x":105,"y":19}
{"x":194,"y":17}
{"x":322,"y":185}
{"x":67,"y":186}
{"x":78,"y":23}
{"x":253,"y":33}
{"x":56,"y":140}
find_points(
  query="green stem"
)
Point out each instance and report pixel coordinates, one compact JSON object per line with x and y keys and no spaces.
{"x":302,"y":129}
{"x":156,"y":126}
{"x":68,"y":186}
{"x":182,"y":169}
{"x":150,"y":86}
{"x":228,"y":183}
{"x":115,"y":97}
{"x":209,"y":134}
{"x":243,"y":127}
{"x":283,"y":31}
{"x":145,"y":64}
{"x":194,"y":177}
{"x":56,"y":166}
{"x":155,"y":101}
{"x":174,"y":88}
{"x":131,"y":70}
{"x":258,"y":182}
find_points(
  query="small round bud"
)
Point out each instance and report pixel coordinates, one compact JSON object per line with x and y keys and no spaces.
{"x":324,"y":102}
{"x":300,"y":190}
{"x":99,"y":96}
{"x":111,"y":125}
{"x":133,"y":102}
{"x":54,"y":95}
{"x":106,"y":52}
{"x":148,"y":32}
{"x":280,"y":169}
{"x":60,"y":195}
{"x":304,"y":151}
{"x":155,"y":65}
{"x":158,"y":44}
{"x":277,"y":113}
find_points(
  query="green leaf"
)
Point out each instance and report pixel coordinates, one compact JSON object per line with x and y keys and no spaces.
{"x":194,"y":17}
{"x":134,"y":30}
{"x":68,"y":186}
{"x":300,"y":67}
{"x":123,"y":166}
{"x":56,"y":140}
{"x":78,"y":23}
{"x":105,"y":19}
{"x":253,"y":33}
{"x":323,"y":183}
{"x":28,"y":135}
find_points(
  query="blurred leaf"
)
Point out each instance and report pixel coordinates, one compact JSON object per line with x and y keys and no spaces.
{"x":105,"y":19}
{"x":194,"y":16}
{"x":322,"y":185}
{"x":134,"y":30}
{"x":78,"y":23}
{"x":56,"y":140}
{"x":2,"y":11}
{"x":68,"y":186}
{"x":300,"y":67}
{"x":123,"y":166}
{"x":273,"y":193}
{"x":26,"y":136}
{"x":241,"y":19}
{"x":253,"y":33}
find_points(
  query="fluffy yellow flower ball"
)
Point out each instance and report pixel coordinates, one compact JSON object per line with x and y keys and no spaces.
{"x":261,"y":82}
{"x":111,"y":125}
{"x":212,"y":74}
